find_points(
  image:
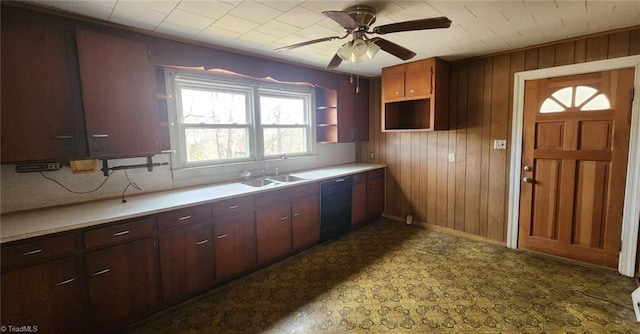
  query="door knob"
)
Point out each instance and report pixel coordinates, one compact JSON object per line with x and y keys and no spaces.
{"x":527,"y":179}
{"x":527,"y":168}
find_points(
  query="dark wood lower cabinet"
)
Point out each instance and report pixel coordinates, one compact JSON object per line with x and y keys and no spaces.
{"x":273,"y":230}
{"x":49,"y":295}
{"x":305,"y":224}
{"x":187,"y":261}
{"x":123,"y":283}
{"x":375,"y":193}
{"x":235,"y":244}
{"x":359,"y":199}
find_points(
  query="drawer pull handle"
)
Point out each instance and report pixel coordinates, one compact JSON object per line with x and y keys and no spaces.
{"x":339,"y":180}
{"x":296,"y":214}
{"x":100,"y":136}
{"x":101,"y":272}
{"x":63,"y":137}
{"x":33,"y":252}
{"x":284,"y":218}
{"x":234,"y":207}
{"x":65,"y":282}
{"x":222,"y":236}
{"x":202,"y":242}
{"x":184,"y":218}
{"x":117,"y":234}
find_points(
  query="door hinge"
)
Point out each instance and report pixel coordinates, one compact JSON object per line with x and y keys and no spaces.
{"x":633,"y":93}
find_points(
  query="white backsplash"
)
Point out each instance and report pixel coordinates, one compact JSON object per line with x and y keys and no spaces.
{"x":24,"y":191}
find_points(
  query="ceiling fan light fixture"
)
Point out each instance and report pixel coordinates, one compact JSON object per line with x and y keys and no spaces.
{"x":358,"y":50}
{"x":345,"y":51}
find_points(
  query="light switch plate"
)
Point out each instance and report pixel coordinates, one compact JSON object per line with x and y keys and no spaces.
{"x":635,"y":296}
{"x":452,"y":157}
{"x":499,"y":144}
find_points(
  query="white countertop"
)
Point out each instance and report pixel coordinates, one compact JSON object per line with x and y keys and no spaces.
{"x":26,"y":224}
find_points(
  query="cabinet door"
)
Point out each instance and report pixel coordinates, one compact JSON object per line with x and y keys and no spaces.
{"x":346,"y":112}
{"x":305,"y":222}
{"x":118,"y":92}
{"x":359,"y":199}
{"x":419,"y":78}
{"x":123,"y":283}
{"x":41,"y":121}
{"x":187,"y":261}
{"x":273,"y":230}
{"x":393,"y":82}
{"x":235,"y":244}
{"x":362,"y":112}
{"x":48,"y":295}
{"x":375,"y":194}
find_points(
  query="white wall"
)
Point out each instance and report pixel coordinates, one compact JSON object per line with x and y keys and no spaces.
{"x":24,"y":191}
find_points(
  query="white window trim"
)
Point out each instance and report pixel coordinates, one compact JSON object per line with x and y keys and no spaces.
{"x":256,"y":158}
{"x":631,"y":213}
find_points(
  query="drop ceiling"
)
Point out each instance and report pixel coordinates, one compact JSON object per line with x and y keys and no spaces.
{"x":259,"y":27}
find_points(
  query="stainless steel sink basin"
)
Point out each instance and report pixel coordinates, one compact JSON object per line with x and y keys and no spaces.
{"x":285,"y":178}
{"x":259,"y":182}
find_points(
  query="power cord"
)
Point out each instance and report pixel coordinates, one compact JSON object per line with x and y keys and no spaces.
{"x":74,"y":191}
{"x":131,"y":184}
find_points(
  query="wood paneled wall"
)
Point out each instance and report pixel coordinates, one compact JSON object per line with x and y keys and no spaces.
{"x":469,"y":196}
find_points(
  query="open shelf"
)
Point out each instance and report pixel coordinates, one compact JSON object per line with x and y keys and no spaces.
{"x":408,"y":115}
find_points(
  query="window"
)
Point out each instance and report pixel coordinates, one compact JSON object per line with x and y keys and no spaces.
{"x":221,"y":121}
{"x":582,"y":98}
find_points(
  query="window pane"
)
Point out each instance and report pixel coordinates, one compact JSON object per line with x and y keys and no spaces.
{"x":583,"y":93}
{"x":550,"y":105}
{"x":281,"y":110}
{"x":212,"y":144}
{"x":284,"y":140}
{"x":599,"y":102}
{"x":564,"y":96}
{"x":212,"y":107}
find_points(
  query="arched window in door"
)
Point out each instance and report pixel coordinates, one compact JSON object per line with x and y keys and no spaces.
{"x":581,"y":98}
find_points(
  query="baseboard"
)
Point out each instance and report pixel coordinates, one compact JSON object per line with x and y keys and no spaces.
{"x":449,"y":231}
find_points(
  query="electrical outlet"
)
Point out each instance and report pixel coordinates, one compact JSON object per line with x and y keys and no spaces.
{"x":372,"y":156}
{"x":635,"y":296}
{"x":499,"y":144}
{"x":452,"y":157}
{"x":409,"y":219}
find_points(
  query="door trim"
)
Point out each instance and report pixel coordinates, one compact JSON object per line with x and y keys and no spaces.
{"x":631,"y":213}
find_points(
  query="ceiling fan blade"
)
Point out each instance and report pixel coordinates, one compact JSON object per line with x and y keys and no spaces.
{"x":432,"y":23}
{"x":393,"y":48}
{"x":293,"y":46}
{"x":335,"y":62}
{"x":343,"y":18}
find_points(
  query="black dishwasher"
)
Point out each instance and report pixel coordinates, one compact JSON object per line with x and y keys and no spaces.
{"x":335,"y":207}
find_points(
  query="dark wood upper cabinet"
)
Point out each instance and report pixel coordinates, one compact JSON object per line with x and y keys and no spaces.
{"x":41,"y":118}
{"x":415,"y":96}
{"x":343,"y":115}
{"x":118,"y":94}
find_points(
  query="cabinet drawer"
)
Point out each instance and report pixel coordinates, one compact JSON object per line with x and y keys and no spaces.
{"x":229,"y":206}
{"x":196,"y":214}
{"x":375,"y":174}
{"x":287,"y":194}
{"x":116,"y":233}
{"x":37,"y":249}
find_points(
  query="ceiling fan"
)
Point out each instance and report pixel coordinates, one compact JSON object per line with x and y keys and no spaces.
{"x":356,"y":21}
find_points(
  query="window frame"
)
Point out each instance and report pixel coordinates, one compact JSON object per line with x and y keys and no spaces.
{"x":253,"y":88}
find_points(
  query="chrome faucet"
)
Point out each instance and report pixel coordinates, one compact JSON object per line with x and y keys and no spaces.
{"x":265,"y":171}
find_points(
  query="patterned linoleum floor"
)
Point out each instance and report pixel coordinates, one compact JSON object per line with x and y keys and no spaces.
{"x":391,"y":277}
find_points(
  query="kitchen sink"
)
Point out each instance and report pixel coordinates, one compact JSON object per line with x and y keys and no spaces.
{"x":286,"y":178}
{"x":259,"y":182}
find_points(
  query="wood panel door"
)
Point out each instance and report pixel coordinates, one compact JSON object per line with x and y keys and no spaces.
{"x":574,"y":160}
{"x":305,"y":221}
{"x":187,"y":261}
{"x":235,"y":244}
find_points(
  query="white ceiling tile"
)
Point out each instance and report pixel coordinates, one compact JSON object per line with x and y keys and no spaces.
{"x":125,"y":13}
{"x":188,"y":19}
{"x":315,"y":31}
{"x":177,"y":30}
{"x":322,"y":6}
{"x":257,"y":37}
{"x":414,"y":12}
{"x":277,"y":28}
{"x":281,"y":5}
{"x":300,"y":17}
{"x":96,"y":9}
{"x":162,"y":6}
{"x":217,"y":34}
{"x":212,"y":9}
{"x":255,"y":12}
{"x":235,"y":24}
